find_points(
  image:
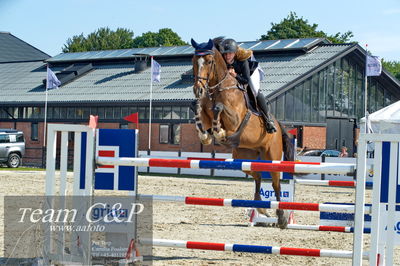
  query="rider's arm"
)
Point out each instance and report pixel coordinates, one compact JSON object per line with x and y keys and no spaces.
{"x":243,"y":75}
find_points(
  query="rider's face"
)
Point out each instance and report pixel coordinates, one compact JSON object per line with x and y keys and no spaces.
{"x":229,"y":57}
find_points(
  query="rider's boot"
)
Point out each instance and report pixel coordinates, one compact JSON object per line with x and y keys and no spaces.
{"x":269,"y":122}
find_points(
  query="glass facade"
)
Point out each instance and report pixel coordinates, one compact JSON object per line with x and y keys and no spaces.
{"x":105,"y":113}
{"x":336,"y":91}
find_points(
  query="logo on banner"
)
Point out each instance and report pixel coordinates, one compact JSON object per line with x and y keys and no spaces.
{"x":114,"y":143}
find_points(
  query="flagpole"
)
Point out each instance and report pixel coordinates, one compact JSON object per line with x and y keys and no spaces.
{"x":151,"y":98}
{"x":366,"y":90}
{"x":45,"y":115}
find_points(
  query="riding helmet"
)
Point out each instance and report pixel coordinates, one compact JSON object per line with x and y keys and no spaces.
{"x":229,"y":46}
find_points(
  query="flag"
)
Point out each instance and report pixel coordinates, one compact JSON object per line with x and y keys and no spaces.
{"x":374,"y":66}
{"x":293,"y":131}
{"x":52,"y":80}
{"x":134,"y":118}
{"x":156,"y":70}
{"x":93,"y":121}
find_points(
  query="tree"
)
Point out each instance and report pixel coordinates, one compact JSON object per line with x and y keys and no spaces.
{"x":101,"y":39}
{"x":294,"y":27}
{"x":393,"y":67}
{"x":164,"y":37}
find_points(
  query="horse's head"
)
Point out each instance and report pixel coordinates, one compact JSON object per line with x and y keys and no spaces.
{"x":203,"y":64}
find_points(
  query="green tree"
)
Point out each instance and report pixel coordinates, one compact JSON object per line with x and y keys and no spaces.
{"x":164,"y":37}
{"x":393,"y":67}
{"x":101,"y":39}
{"x":294,"y":27}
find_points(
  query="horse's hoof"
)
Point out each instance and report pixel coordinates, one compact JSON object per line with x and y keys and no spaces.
{"x":205,"y":139}
{"x":282,"y":219}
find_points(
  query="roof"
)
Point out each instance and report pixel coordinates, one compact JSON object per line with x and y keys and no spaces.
{"x":117,"y":82}
{"x":385,"y":120}
{"x":257,"y":46}
{"x":13,"y":49}
{"x":284,"y":71}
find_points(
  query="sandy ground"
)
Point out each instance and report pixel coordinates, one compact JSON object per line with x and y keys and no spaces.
{"x":215,"y":224}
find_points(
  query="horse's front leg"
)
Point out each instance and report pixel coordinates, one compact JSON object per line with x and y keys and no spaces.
{"x":282,"y":215}
{"x":203,"y":122}
{"x":218,"y":132}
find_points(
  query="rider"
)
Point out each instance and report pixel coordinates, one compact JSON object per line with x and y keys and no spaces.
{"x":240,"y":69}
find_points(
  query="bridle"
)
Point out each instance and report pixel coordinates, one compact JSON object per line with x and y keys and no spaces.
{"x":211,"y":90}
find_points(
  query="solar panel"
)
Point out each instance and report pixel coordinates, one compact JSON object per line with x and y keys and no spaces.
{"x":186,"y":49}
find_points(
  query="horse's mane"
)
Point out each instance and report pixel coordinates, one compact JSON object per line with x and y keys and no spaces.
{"x":219,"y":60}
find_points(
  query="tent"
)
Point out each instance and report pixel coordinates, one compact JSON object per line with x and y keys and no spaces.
{"x":385,"y":120}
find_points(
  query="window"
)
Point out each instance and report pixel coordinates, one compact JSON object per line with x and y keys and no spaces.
{"x":100,"y":112}
{"x":176,"y":112}
{"x":79,"y":113}
{"x":125,"y":111}
{"x":359,"y":92}
{"x":123,"y":126}
{"x":322,"y":94}
{"x":307,"y":100}
{"x":20,"y":138}
{"x":314,"y":98}
{"x":337,"y":96}
{"x":280,"y":107}
{"x":330,"y":90}
{"x":71,"y":113}
{"x":50,"y":112}
{"x":166,"y":112}
{"x":117,"y":113}
{"x":34,"y":131}
{"x":298,"y":102}
{"x":37,"y":112}
{"x":4,"y":139}
{"x":170,"y":134}
{"x":164,"y":134}
{"x":185,"y":112}
{"x":143,"y":114}
{"x":109,"y":113}
{"x":86,"y":113}
{"x":289,"y":105}
{"x":157,"y":112}
{"x":63,"y":112}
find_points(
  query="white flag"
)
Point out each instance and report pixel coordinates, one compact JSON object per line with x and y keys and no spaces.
{"x":374,"y":66}
{"x":156,"y":71}
{"x":52,"y":80}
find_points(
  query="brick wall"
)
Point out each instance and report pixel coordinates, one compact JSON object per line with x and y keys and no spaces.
{"x":314,"y":137}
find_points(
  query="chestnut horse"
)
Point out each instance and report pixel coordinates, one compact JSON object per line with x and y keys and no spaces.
{"x":221,"y":110}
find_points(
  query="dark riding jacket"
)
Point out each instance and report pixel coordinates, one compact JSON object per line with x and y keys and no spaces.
{"x":242,"y":70}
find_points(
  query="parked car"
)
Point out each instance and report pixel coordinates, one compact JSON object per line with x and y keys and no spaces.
{"x":12,"y":147}
{"x":326,"y":153}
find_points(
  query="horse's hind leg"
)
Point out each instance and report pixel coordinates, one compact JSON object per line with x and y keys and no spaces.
{"x":251,"y":155}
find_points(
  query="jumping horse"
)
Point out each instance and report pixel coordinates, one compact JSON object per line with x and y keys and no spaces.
{"x":222,"y":113}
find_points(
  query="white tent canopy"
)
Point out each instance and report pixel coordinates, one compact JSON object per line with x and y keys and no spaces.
{"x":385,"y":120}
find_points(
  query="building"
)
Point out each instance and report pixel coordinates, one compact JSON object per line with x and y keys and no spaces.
{"x":312,"y":85}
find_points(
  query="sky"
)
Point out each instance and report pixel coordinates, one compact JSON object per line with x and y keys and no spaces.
{"x":47,"y":24}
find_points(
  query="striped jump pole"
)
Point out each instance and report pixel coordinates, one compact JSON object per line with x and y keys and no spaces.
{"x":255,"y":203}
{"x":335,"y":183}
{"x":310,"y":252}
{"x":323,"y":168}
{"x":247,"y":160}
{"x":325,"y":228}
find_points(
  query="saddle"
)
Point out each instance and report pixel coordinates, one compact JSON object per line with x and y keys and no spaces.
{"x":250,"y":100}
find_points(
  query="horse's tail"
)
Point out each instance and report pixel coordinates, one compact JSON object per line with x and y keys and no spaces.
{"x":288,"y":147}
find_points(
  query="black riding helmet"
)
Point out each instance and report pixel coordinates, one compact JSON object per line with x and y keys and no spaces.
{"x":229,"y":46}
